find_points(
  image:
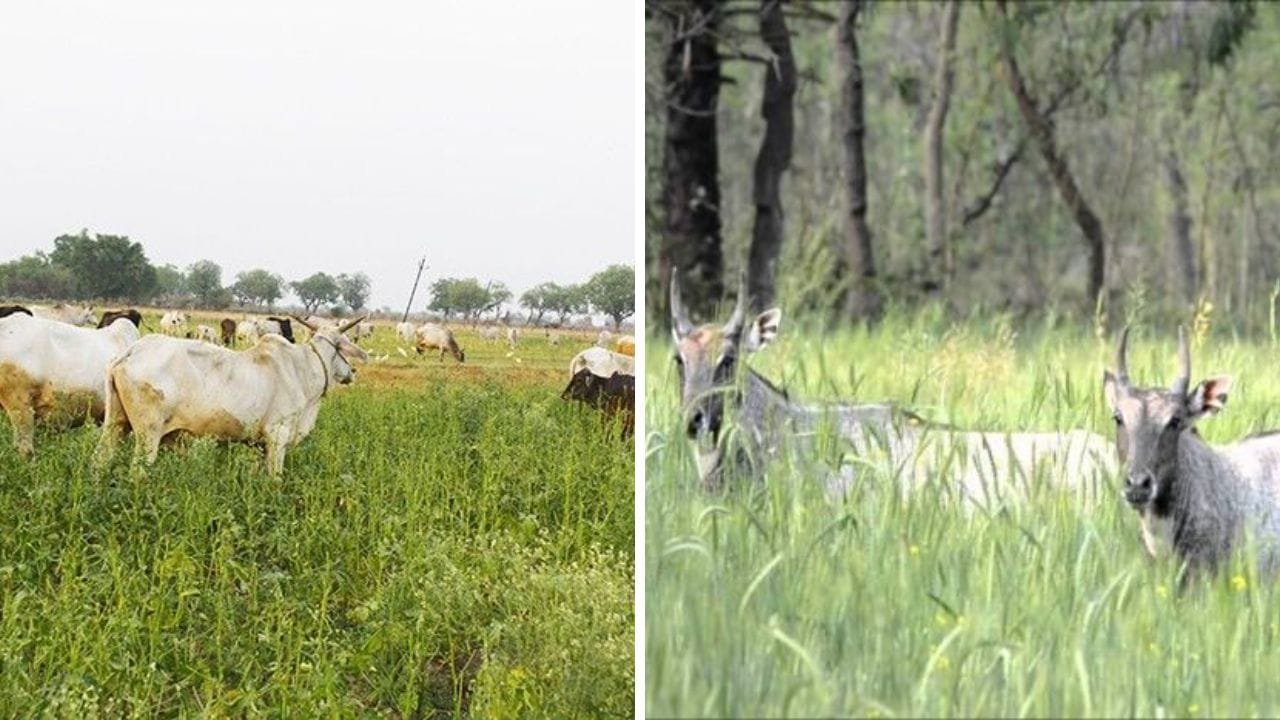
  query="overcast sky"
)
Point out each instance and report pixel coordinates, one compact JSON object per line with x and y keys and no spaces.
{"x":495,"y":138}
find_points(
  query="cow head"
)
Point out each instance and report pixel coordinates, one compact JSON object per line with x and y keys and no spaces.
{"x":1150,"y":423}
{"x":340,"y":350}
{"x":707,"y":361}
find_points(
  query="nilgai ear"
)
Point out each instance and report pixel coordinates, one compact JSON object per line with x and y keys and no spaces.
{"x":1210,"y":396}
{"x":1109,"y":387}
{"x":763,"y":329}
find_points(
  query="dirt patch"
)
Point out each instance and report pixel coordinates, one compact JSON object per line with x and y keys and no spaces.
{"x":446,"y":684}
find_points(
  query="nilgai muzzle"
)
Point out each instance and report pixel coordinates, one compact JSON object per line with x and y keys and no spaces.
{"x":1192,"y":498}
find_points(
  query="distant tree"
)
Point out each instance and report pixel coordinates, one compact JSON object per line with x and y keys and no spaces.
{"x":204,"y":283}
{"x":354,"y":289}
{"x":496,"y":294}
{"x":34,"y":276}
{"x":105,"y":266}
{"x":316,"y":290}
{"x":258,"y":286}
{"x":538,"y":300}
{"x":170,"y":283}
{"x":612,"y":292}
{"x":567,"y":301}
{"x":465,"y":296}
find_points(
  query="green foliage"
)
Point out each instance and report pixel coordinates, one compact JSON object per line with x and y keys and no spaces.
{"x":258,"y":286}
{"x":538,"y":300}
{"x":316,"y":290}
{"x":34,"y":276}
{"x":779,"y":601}
{"x":424,"y":555}
{"x":170,"y":282}
{"x":612,"y":292}
{"x":354,"y":289}
{"x":108,"y":267}
{"x":465,"y":296}
{"x":204,"y":284}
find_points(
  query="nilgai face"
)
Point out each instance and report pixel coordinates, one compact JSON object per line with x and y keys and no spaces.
{"x":707,"y":362}
{"x":1194,"y":499}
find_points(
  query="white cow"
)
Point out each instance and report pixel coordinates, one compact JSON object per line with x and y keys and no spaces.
{"x":512,"y":337}
{"x":173,"y":323}
{"x":207,"y":334}
{"x":553,"y":338}
{"x":362,"y":330}
{"x":69,"y":314}
{"x":405,"y":331}
{"x":438,"y":337}
{"x":47,"y":365}
{"x":269,"y":393}
{"x":604,"y":339}
{"x":490,"y":333}
{"x":602,"y":363}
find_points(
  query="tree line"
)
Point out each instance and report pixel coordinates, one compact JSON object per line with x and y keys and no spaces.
{"x":1108,"y":158}
{"x":610,"y":292}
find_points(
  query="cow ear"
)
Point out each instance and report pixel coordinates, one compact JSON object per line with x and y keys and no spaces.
{"x":1209,"y":397}
{"x":763,"y":329}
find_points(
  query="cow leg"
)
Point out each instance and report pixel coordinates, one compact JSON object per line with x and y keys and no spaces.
{"x":277,"y":444}
{"x":114,"y":423}
{"x":22,"y":416}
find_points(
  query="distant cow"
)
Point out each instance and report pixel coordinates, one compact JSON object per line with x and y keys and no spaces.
{"x":206,"y":334}
{"x":47,"y":366}
{"x":553,"y":337}
{"x":604,"y":339}
{"x":512,"y":337}
{"x":228,"y":327}
{"x":405,"y":331}
{"x":625,"y":345}
{"x":247,"y":330}
{"x":268,"y":394}
{"x":362,"y":331}
{"x":7,"y":310}
{"x":602,"y":363}
{"x":612,"y":395}
{"x":278,"y":325}
{"x":111,"y":316}
{"x":438,"y":337}
{"x":69,"y":314}
{"x":490,"y":333}
{"x":173,"y":323}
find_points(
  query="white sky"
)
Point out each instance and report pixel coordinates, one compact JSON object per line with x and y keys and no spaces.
{"x":496,"y":138}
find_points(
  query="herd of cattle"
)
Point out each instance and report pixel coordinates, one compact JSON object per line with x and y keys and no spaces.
{"x":1192,"y":499}
{"x":62,"y":361}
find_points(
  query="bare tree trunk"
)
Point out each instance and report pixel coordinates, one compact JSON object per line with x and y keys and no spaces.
{"x":1041,"y":132}
{"x":1182,"y":249}
{"x":777,"y":109}
{"x":690,"y":164}
{"x":935,"y":212}
{"x":863,"y":300}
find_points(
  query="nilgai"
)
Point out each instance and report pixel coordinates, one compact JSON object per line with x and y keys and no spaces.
{"x":1194,"y":499}
{"x":983,"y":468}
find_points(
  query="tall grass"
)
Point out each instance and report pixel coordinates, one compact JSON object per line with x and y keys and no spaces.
{"x":777,"y":601}
{"x":448,"y":541}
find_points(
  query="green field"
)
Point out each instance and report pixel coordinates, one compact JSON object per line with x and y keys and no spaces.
{"x":451,"y":540}
{"x":775,"y":601}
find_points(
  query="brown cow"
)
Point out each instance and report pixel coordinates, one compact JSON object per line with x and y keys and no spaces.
{"x":111,"y":316}
{"x":228,"y":327}
{"x":612,"y":395}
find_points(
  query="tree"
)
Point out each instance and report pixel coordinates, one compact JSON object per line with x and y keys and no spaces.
{"x":258,"y":286}
{"x":354,"y":289}
{"x":105,"y":266}
{"x":464,"y":296}
{"x":316,"y":290}
{"x":774,"y":157}
{"x":935,"y":210}
{"x":496,"y":294}
{"x":34,"y":276}
{"x":612,"y":292}
{"x":170,"y":283}
{"x":567,"y":300}
{"x":204,"y":282}
{"x":538,"y":300}
{"x":863,"y":298}
{"x":690,"y":160}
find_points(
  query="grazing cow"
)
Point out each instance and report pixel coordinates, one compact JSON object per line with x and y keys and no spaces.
{"x":248,"y":331}
{"x":512,"y":337}
{"x":285,"y":326}
{"x":228,"y":327}
{"x":979,"y":468}
{"x":205,"y":333}
{"x":69,"y":314}
{"x":625,"y":345}
{"x":111,"y":316}
{"x":553,"y":338}
{"x":1195,"y":499}
{"x":48,"y":367}
{"x":362,"y":331}
{"x":604,"y":339}
{"x":269,"y":393}
{"x":405,"y":331}
{"x":7,"y":310}
{"x":438,"y":337}
{"x":173,"y":323}
{"x":613,"y":395}
{"x":490,"y":333}
{"x":602,"y":363}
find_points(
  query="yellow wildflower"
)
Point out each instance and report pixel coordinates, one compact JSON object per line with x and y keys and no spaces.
{"x":1238,"y":583}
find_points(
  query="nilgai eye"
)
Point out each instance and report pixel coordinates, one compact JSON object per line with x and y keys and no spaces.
{"x":1175,"y":423}
{"x":679,"y":361}
{"x":1119,"y":420}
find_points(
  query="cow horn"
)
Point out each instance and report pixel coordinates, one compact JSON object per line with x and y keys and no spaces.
{"x":1122,"y":352}
{"x":309,"y":326}
{"x":348,"y":325}
{"x":679,"y":313}
{"x":734,"y":326}
{"x":1183,"y":380}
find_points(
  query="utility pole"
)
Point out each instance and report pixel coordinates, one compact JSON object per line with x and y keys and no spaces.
{"x":422,"y":264}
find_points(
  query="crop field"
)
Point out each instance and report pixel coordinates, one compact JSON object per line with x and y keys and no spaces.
{"x":774,"y":600}
{"x":451,"y":540}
